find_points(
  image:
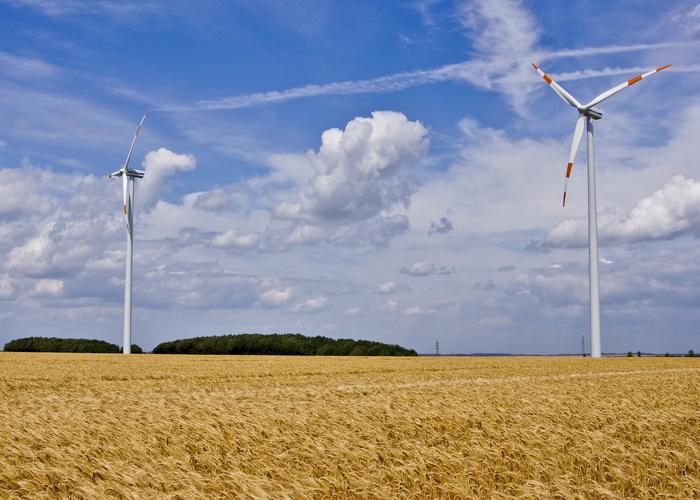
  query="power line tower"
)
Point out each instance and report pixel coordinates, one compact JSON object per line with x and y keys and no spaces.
{"x":437,"y":347}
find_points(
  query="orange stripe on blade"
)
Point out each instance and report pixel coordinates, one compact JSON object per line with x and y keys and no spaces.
{"x":634,"y":80}
{"x":568,"y":171}
{"x":124,"y":209}
{"x":668,"y":65}
{"x":564,"y":202}
{"x":547,"y":79}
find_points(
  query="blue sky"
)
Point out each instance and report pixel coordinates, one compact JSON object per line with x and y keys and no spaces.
{"x":389,"y":171}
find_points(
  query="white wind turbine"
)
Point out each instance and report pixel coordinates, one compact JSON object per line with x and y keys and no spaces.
{"x":128,"y":175}
{"x":589,"y":113}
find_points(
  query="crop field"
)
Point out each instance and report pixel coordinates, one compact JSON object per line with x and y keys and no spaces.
{"x":186,"y":427}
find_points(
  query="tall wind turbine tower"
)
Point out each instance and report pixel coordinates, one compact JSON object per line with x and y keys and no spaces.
{"x":128,"y":175}
{"x":588,"y":113}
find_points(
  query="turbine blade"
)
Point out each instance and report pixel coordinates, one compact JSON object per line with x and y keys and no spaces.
{"x":557,"y":88}
{"x":624,"y":85}
{"x":578,"y":132}
{"x":128,"y":157}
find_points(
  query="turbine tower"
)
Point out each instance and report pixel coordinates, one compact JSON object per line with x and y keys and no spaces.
{"x":589,"y":113}
{"x":128,"y":175}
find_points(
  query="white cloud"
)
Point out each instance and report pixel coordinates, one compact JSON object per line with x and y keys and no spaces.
{"x":120,"y":10}
{"x":670,"y":212}
{"x":442,"y":227}
{"x":277,"y":297}
{"x":505,"y":35}
{"x":361,"y":170}
{"x":213,"y":201}
{"x":21,"y":192}
{"x":7,"y":287}
{"x":159,"y":165}
{"x":48,"y":288}
{"x":423,"y":268}
{"x":420,"y":268}
{"x":353,"y":311}
{"x":377,"y":232}
{"x":388,"y":306}
{"x":312,"y":305}
{"x":304,"y":235}
{"x":23,"y":68}
{"x":233,"y":239}
{"x":418,"y":311}
{"x":392,"y":287}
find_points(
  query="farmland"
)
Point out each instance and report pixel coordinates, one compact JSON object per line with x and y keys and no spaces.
{"x":188,"y":427}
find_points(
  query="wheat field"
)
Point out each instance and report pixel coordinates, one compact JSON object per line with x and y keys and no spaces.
{"x":184,"y":427}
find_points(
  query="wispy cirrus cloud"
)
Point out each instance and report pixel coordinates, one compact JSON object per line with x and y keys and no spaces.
{"x":489,"y":70}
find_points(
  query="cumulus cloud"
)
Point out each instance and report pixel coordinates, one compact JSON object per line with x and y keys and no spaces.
{"x":361,"y":170}
{"x":391,"y":287}
{"x":276,"y":298}
{"x":7,"y":287}
{"x":418,"y":311}
{"x":213,"y":201}
{"x":48,"y":288}
{"x":312,"y":305}
{"x":388,"y":306}
{"x":21,"y":192}
{"x":442,"y":227}
{"x":671,"y":212}
{"x":484,"y":286}
{"x":353,"y":311}
{"x":377,"y":232}
{"x":235,"y":240}
{"x":423,"y":268}
{"x":158,"y":166}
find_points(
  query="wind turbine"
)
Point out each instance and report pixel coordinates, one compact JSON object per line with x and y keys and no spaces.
{"x":589,"y":113}
{"x":128,"y":175}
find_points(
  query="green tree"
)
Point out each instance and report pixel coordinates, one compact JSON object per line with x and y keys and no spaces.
{"x":53,"y":344}
{"x":280,"y":344}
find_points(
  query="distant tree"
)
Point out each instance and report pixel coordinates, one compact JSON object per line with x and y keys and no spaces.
{"x":668,"y":355}
{"x":280,"y":344}
{"x":629,"y":354}
{"x":691,"y":354}
{"x":639,"y":354}
{"x":53,"y":344}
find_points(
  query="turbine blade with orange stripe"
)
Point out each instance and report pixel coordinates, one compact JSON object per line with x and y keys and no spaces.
{"x":624,"y":85}
{"x":128,"y":157}
{"x":557,"y":88}
{"x":578,"y":133}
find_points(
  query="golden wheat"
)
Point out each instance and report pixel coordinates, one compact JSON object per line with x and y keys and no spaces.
{"x":181,"y":427}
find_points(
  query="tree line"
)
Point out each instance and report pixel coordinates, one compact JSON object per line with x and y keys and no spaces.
{"x":53,"y":344}
{"x":290,"y":344}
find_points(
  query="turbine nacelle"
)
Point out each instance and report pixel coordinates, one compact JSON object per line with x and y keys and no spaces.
{"x":594,"y":113}
{"x":135,"y":173}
